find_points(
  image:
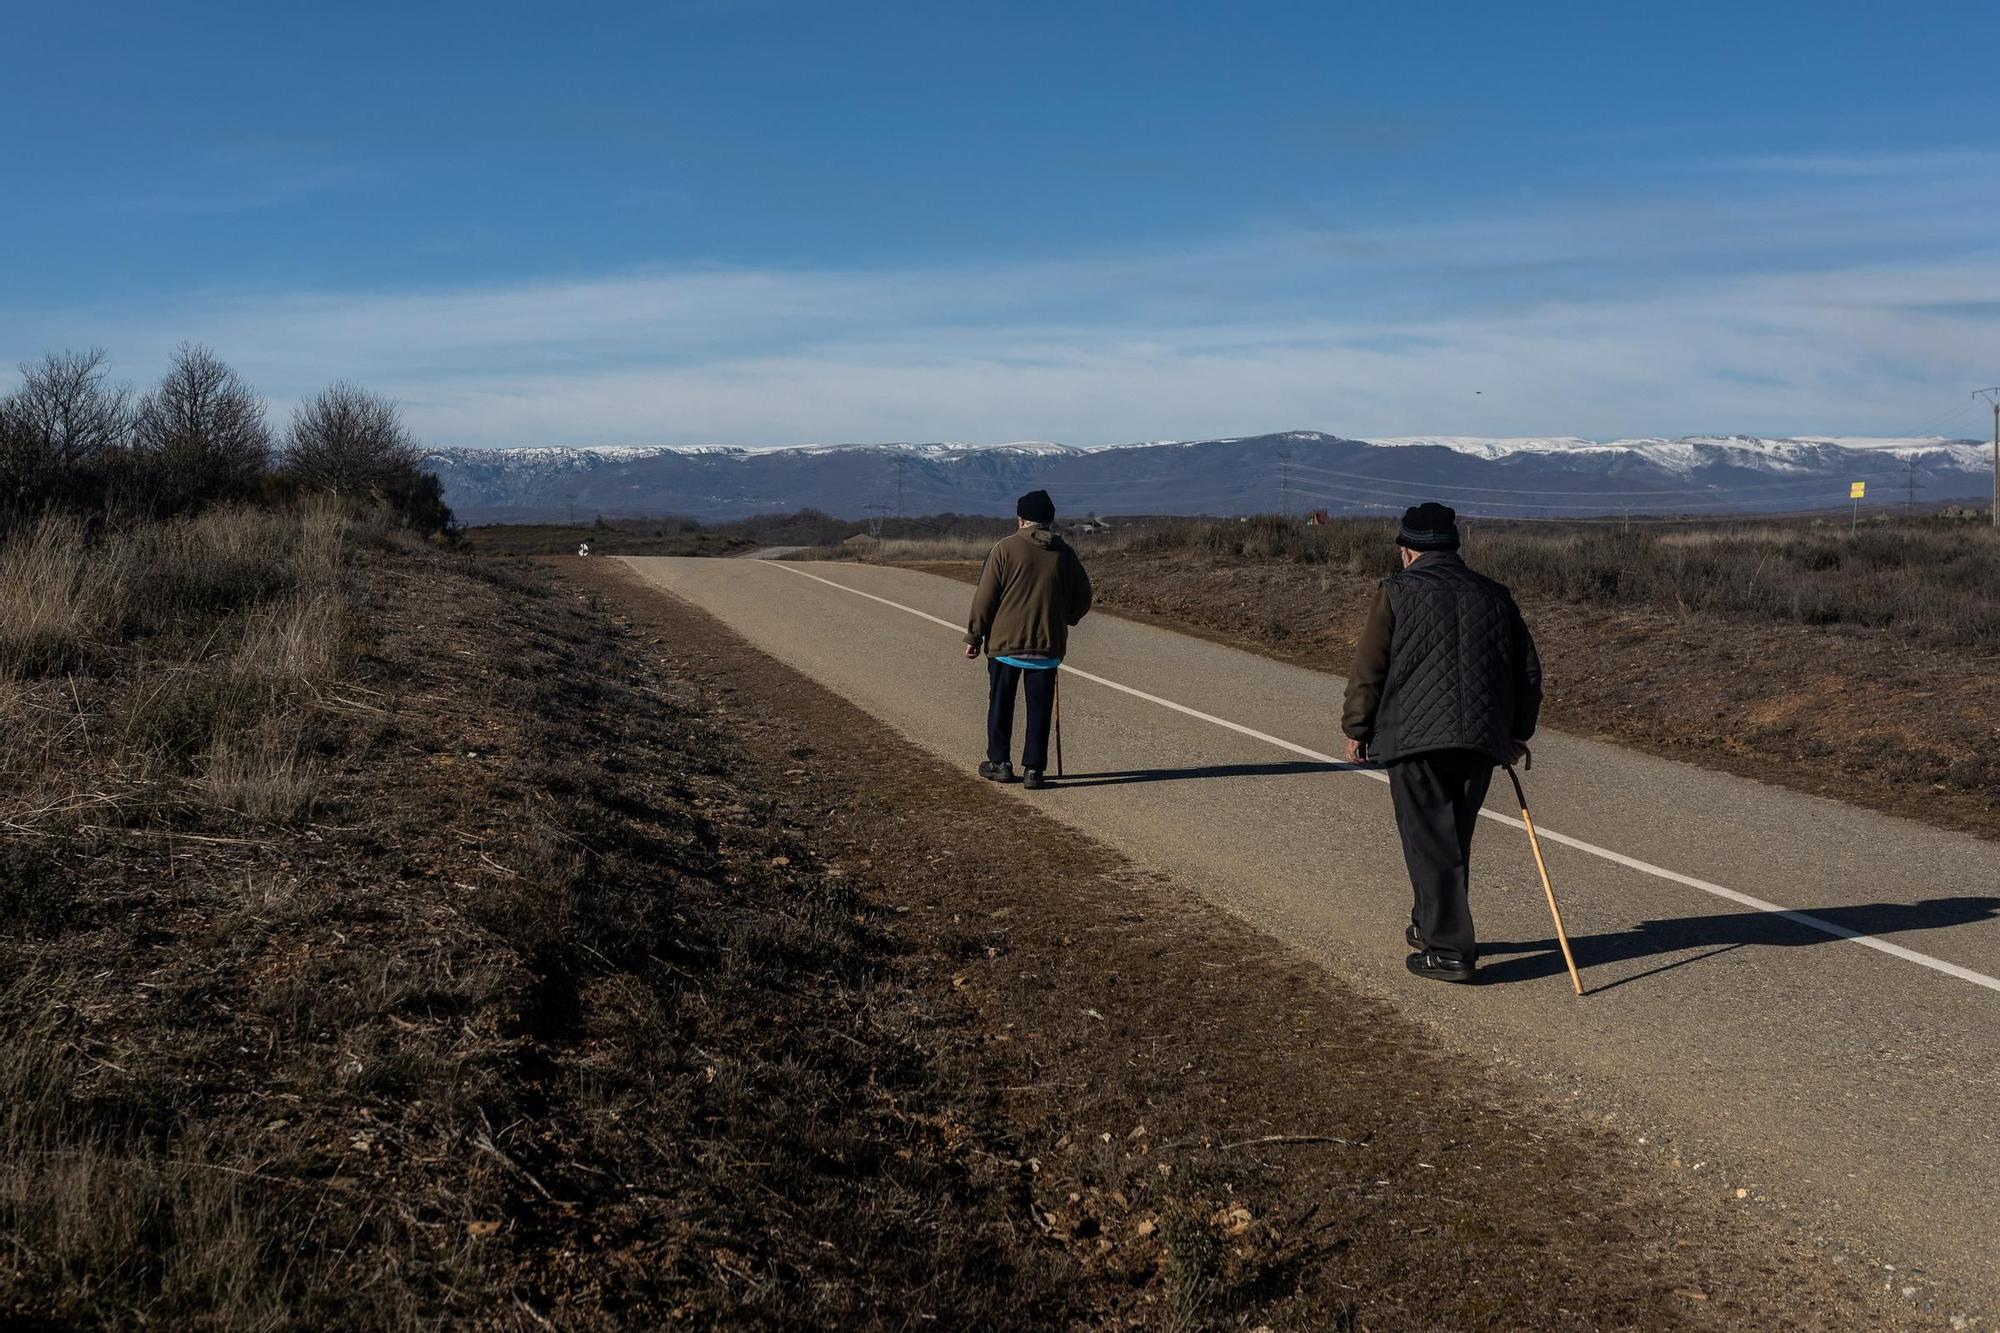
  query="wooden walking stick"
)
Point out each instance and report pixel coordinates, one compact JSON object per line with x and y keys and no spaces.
{"x":1056,"y":686}
{"x":1534,"y":842}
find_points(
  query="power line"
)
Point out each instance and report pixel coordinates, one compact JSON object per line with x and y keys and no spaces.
{"x":1993,"y":396}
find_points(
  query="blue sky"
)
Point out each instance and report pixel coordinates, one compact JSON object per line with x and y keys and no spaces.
{"x":767,"y":223}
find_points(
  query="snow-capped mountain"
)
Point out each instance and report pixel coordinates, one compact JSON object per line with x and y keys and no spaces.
{"x":1691,"y":451}
{"x":1299,"y":470}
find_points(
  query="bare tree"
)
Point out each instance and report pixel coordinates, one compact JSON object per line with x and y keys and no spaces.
{"x":20,"y":460}
{"x":351,"y":441}
{"x":201,"y":434}
{"x":72,"y":416}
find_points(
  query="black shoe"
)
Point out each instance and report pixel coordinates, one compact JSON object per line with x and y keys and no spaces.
{"x":1001,"y":772}
{"x":1412,"y":938}
{"x":1031,"y":778}
{"x":1437,"y":967}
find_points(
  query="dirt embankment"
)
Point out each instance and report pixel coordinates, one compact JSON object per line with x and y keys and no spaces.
{"x":1861,"y":715}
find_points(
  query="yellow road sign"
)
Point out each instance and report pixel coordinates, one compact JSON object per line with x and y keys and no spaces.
{"x":1857,"y":490}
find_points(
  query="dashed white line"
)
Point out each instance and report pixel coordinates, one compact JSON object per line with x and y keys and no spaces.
{"x":1806,"y":919}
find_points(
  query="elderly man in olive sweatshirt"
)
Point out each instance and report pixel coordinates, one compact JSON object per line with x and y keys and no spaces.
{"x":1031,"y":590}
{"x":1446,"y":686}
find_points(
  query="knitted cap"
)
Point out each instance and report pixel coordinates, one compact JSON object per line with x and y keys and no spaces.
{"x":1429,"y":527}
{"x":1036,"y":507}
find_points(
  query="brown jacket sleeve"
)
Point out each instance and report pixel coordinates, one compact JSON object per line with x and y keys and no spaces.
{"x":1371,"y":671}
{"x":985,"y":600}
{"x":1079,"y":588}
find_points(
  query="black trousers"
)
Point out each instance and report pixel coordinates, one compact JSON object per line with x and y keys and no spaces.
{"x":1437,"y":799}
{"x":1040,"y":686}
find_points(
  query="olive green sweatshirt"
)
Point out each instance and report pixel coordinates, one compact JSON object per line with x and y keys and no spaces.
{"x":1031,"y":590}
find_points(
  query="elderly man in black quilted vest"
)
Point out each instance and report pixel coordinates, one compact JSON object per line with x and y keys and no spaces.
{"x":1445,"y":687}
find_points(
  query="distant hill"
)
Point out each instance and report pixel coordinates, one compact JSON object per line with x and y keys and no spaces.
{"x":1301,"y":470}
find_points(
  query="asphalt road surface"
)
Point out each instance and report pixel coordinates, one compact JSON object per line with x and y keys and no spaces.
{"x":1801,"y":996}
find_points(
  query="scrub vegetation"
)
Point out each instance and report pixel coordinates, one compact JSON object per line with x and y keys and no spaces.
{"x":1934,"y":580}
{"x":1856,"y":664}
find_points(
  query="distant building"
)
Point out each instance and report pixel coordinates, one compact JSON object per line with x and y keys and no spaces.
{"x":861,"y":541}
{"x":1318,"y":518}
{"x":1960,"y":513}
{"x":1092,"y":525}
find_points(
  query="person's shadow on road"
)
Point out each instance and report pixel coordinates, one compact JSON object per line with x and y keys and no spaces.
{"x":1119,"y":779}
{"x":1526,"y":960}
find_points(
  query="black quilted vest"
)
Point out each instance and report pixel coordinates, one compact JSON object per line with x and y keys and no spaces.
{"x":1454,"y":658}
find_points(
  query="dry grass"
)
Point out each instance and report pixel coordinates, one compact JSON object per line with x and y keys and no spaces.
{"x":93,"y":1201}
{"x":162,"y":717}
{"x":905,"y":550}
{"x":260,"y":774}
{"x":55,"y":602}
{"x":149,"y":668}
{"x":70,"y":597}
{"x":297,"y":644}
{"x":1934,"y":581}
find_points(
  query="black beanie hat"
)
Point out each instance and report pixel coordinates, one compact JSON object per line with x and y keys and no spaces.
{"x":1036,"y":507}
{"x":1429,"y":527}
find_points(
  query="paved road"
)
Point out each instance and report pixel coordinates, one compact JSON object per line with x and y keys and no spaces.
{"x":1855,"y":1080}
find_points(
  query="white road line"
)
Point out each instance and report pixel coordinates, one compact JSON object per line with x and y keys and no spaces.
{"x":1617,"y":858}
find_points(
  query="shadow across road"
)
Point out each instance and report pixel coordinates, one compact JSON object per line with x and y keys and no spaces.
{"x":1119,"y":779}
{"x":1526,"y":960}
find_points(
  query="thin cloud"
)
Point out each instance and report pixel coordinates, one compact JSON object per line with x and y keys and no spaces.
{"x":1835,"y":309}
{"x":1919,"y":163}
{"x":240,"y":182}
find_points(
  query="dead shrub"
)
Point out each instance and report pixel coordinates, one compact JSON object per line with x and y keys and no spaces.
{"x":261,"y":773}
{"x":175,"y":713}
{"x":323,"y":531}
{"x":206,"y":567}
{"x":295,"y":645}
{"x":59,"y":596}
{"x":268,"y":902}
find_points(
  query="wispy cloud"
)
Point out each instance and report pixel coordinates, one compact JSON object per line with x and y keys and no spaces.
{"x":1829,"y":307}
{"x":1875,"y":165}
{"x":239,"y":180}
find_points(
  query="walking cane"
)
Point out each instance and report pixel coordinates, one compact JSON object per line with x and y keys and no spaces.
{"x":1562,"y":938}
{"x":1056,"y":685}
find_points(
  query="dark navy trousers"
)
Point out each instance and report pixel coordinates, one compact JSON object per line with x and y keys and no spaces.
{"x":1040,"y":686}
{"x":1437,"y":797}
